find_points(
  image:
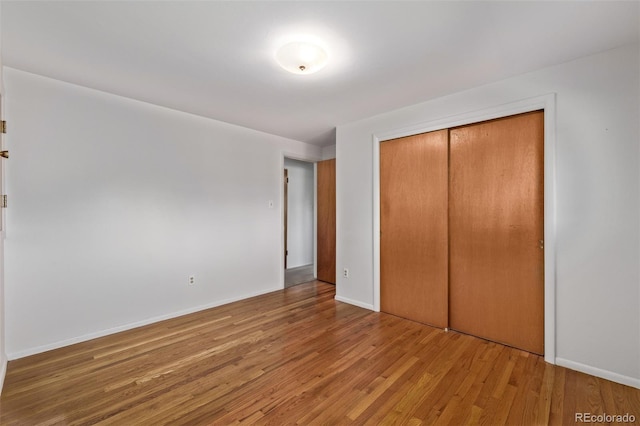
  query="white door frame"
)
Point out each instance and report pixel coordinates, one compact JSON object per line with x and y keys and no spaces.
{"x":548,"y":104}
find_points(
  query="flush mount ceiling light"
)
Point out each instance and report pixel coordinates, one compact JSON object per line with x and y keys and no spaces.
{"x":301,"y":57}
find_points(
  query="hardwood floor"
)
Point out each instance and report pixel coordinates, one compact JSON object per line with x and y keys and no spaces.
{"x":297,"y":356}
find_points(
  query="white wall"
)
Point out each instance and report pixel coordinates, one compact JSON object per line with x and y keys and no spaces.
{"x":116,"y":202}
{"x":597,"y":206}
{"x":329,"y":152}
{"x":300,"y":213}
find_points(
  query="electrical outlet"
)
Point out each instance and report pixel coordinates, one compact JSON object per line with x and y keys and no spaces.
{"x":345,"y":273}
{"x":192,"y":280}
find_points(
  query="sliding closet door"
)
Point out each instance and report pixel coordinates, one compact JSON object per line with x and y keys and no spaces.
{"x":496,"y":230}
{"x":326,"y":216}
{"x":413,"y":225}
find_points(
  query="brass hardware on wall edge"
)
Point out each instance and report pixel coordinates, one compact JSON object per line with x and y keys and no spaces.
{"x":3,"y":202}
{"x":3,"y":126}
{"x":4,"y":154}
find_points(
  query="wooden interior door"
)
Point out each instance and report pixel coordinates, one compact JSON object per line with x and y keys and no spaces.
{"x":326,"y":220}
{"x":413,"y":225}
{"x":496,"y":222}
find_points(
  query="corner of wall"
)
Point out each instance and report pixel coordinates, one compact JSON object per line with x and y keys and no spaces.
{"x":3,"y":369}
{"x":329,"y":152}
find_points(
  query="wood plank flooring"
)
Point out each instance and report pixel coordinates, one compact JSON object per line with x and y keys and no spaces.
{"x":297,"y":356}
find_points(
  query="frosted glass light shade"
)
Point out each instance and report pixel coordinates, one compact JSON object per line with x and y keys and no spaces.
{"x":301,"y":57}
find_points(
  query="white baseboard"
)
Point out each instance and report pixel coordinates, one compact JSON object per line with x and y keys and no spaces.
{"x":354,"y":302}
{"x":102,"y":333}
{"x":598,"y":372}
{"x":3,"y":370}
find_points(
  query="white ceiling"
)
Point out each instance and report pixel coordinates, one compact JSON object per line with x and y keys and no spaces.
{"x":216,"y":59}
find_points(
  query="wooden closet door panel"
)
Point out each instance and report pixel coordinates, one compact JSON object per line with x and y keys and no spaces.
{"x":496,"y":212}
{"x":413,"y":224}
{"x":326,"y":220}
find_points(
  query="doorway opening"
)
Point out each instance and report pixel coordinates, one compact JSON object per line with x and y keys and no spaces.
{"x":299,"y":219}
